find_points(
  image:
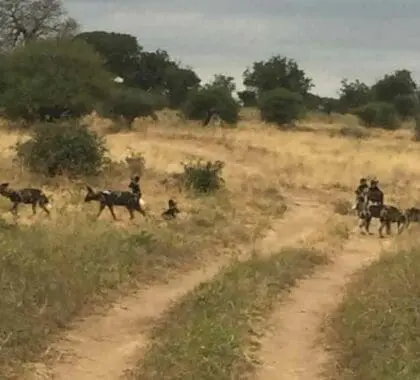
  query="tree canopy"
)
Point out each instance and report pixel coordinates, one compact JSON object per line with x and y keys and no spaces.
{"x":69,"y":77}
{"x":49,"y":69}
{"x":23,"y":21}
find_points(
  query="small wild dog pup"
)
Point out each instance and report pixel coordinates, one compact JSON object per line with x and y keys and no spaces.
{"x":26,"y":195}
{"x":111,"y":198}
{"x":172,"y":210}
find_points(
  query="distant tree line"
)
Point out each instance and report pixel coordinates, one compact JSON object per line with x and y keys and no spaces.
{"x":49,"y":70}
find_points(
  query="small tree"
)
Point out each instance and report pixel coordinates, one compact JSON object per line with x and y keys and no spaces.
{"x":277,"y":72}
{"x":68,"y":148}
{"x":203,"y":177}
{"x":25,"y":21}
{"x":200,"y":101}
{"x":60,"y":76}
{"x":281,"y":106}
{"x":378,"y":114}
{"x":128,"y":103}
{"x":248,"y":98}
{"x":223,"y":82}
{"x":353,"y":94}
{"x":120,"y":51}
{"x":400,"y":82}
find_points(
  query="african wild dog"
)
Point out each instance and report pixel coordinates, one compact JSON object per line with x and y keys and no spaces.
{"x":413,"y":215}
{"x":385,"y":213}
{"x":111,"y":198}
{"x":172,"y":210}
{"x":30,"y":196}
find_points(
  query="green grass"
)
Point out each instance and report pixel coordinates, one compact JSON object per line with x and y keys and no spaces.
{"x":376,"y":331}
{"x":208,"y":335}
{"x":48,"y":273}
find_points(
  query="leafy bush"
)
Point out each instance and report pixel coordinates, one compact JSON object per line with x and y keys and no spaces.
{"x":248,"y":98}
{"x":128,"y":103}
{"x":417,"y":128}
{"x":69,"y":148}
{"x":281,"y":106}
{"x":406,"y":105}
{"x":50,"y":77}
{"x":378,"y":114}
{"x":201,"y":100}
{"x":203,"y":177}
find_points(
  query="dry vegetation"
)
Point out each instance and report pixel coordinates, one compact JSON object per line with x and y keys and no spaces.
{"x":374,"y":333}
{"x":53,"y":269}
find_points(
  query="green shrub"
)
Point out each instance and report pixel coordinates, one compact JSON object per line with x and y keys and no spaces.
{"x":378,"y":114}
{"x":203,"y":177}
{"x":128,"y":104}
{"x":406,"y":105}
{"x":69,"y":148}
{"x":281,"y":106}
{"x":200,"y":101}
{"x":417,"y":128}
{"x":47,"y":77}
{"x":248,"y":98}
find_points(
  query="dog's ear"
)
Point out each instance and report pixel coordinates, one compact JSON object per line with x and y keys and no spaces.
{"x":89,"y":189}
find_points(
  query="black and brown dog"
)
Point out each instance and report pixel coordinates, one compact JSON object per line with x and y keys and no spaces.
{"x":111,"y":198}
{"x":28,"y":195}
{"x":172,"y":210}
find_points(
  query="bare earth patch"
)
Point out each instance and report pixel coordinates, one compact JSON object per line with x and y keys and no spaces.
{"x":293,"y":348}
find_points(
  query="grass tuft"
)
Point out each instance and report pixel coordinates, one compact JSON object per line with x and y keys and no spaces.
{"x":207,"y":335}
{"x":375,"y":333}
{"x":47,"y":277}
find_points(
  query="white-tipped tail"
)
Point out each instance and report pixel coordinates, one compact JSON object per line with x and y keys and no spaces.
{"x":48,"y":206}
{"x":142,"y":202}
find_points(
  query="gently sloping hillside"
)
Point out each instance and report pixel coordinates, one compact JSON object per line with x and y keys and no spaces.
{"x":375,"y":332}
{"x":293,"y":344}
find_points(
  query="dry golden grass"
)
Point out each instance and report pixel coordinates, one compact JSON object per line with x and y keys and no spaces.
{"x":374,"y":333}
{"x":260,"y":160}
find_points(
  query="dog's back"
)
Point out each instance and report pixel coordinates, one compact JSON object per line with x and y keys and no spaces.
{"x":120,"y":198}
{"x":27,"y":195}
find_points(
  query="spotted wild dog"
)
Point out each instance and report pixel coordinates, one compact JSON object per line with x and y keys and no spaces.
{"x":385,"y":213}
{"x":111,"y":198}
{"x":413,"y":215}
{"x":172,"y":210}
{"x":389,"y":215}
{"x":27,"y":195}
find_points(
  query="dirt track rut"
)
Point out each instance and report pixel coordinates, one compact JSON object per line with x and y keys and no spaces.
{"x":104,"y":346}
{"x":293,"y":347}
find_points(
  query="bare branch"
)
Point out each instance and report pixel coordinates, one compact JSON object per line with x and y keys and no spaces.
{"x":22,"y":21}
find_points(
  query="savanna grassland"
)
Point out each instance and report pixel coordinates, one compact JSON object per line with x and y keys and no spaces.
{"x":283,"y":214}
